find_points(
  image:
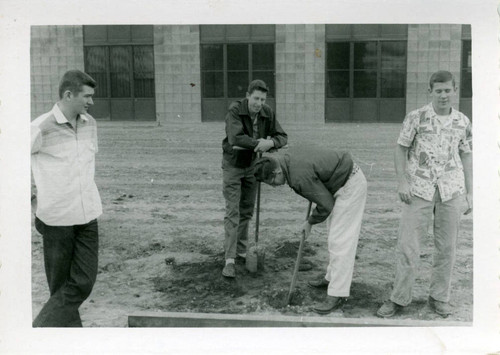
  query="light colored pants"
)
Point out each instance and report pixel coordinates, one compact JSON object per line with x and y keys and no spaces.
{"x":413,"y":227}
{"x":343,"y":226}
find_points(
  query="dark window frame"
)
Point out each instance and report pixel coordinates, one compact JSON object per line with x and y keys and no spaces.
{"x":352,"y":70}
{"x":464,"y":67}
{"x":252,"y":35}
{"x":131,"y":42}
{"x":225,"y":71}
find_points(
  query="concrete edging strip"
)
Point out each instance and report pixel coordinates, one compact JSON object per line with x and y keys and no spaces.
{"x":220,"y":320}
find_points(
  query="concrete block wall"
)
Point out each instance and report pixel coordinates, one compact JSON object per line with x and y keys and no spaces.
{"x":177,"y":73}
{"x":300,"y":73}
{"x":431,"y":47}
{"x":54,"y":50}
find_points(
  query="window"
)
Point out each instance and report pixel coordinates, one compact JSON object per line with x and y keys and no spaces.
{"x":234,"y":55}
{"x":366,"y":69}
{"x":365,"y":72}
{"x":120,"y":60}
{"x":466,"y":72}
{"x":466,"y":75}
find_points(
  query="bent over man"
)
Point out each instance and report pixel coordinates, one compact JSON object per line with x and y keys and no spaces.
{"x":63,"y":147}
{"x":252,"y":126}
{"x":433,"y":160}
{"x":338,"y":187}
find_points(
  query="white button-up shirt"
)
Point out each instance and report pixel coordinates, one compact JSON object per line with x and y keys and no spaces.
{"x":63,"y":166}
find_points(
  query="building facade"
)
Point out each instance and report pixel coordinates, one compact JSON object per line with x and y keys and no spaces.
{"x":190,"y":73}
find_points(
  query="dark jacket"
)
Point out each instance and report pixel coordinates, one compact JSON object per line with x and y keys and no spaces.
{"x":317,"y":174}
{"x":239,"y":132}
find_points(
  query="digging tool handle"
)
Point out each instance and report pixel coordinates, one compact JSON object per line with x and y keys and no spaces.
{"x":299,"y":257}
{"x":258,"y":210}
{"x":237,"y":147}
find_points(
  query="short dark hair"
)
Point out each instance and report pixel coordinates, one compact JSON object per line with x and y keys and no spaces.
{"x":441,"y":76}
{"x":264,"y":168}
{"x":257,"y":85}
{"x":74,"y":80}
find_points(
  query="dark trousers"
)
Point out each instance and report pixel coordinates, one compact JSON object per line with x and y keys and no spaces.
{"x":70,"y":257}
{"x":239,"y":188}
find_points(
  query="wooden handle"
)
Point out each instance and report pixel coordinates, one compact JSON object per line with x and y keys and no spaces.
{"x":299,"y":257}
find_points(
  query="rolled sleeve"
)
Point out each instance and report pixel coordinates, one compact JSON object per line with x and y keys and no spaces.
{"x":408,"y":130}
{"x":465,"y":144}
{"x":36,"y":139}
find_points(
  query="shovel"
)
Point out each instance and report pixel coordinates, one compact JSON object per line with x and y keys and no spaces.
{"x":255,"y":254}
{"x":297,"y":262}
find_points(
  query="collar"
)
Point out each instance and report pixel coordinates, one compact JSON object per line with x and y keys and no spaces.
{"x":61,"y":119}
{"x":433,"y":114}
{"x":244,"y":109}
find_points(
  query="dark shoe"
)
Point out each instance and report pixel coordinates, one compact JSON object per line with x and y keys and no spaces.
{"x":319,"y":283}
{"x":388,"y":309}
{"x":329,"y":305}
{"x":229,"y":271}
{"x":442,"y":308}
{"x":241,"y":259}
{"x":305,"y":265}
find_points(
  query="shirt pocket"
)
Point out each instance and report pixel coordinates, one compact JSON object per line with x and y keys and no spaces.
{"x":86,"y":151}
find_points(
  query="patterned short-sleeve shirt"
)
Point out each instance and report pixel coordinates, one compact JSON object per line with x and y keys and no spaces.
{"x":434,"y":152}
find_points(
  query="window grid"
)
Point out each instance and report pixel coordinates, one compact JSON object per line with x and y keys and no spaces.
{"x":236,"y":78}
{"x":372,"y":73}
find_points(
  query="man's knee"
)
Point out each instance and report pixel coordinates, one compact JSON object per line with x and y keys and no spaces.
{"x":85,"y":287}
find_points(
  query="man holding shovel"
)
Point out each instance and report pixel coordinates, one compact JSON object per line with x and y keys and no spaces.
{"x":338,"y":187}
{"x":248,"y":122}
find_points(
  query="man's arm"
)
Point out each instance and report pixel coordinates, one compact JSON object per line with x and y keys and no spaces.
{"x":400,"y":161}
{"x":277,"y":138}
{"x":317,"y":193}
{"x":36,"y":139}
{"x":278,"y":135}
{"x":235,"y":133}
{"x":467,"y":164}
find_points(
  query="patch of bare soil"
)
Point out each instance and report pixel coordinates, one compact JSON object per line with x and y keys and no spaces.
{"x":161,"y":234}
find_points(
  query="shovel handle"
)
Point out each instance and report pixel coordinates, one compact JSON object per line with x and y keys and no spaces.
{"x":297,"y":261}
{"x":257,"y":214}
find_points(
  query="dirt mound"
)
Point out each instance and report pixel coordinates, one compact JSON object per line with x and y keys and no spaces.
{"x":198,"y":286}
{"x":277,"y":299}
{"x":290,"y":249}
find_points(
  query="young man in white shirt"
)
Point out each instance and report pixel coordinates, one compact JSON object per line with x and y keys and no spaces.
{"x":63,"y":147}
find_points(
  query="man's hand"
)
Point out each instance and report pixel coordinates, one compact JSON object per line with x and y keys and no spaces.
{"x":404,"y":191}
{"x":306,"y":229}
{"x":264,"y":145}
{"x":468,"y":198}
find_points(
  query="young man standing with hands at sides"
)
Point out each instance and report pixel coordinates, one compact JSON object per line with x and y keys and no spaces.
{"x":338,"y":187}
{"x":433,"y":162}
{"x":252,"y":126}
{"x":63,"y":147}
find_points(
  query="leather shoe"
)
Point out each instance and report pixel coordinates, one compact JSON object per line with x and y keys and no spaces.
{"x":388,"y":309}
{"x":329,"y":305}
{"x":319,"y":283}
{"x":229,"y":270}
{"x":442,"y":308}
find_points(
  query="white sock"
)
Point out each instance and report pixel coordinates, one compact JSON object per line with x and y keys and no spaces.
{"x":229,"y":261}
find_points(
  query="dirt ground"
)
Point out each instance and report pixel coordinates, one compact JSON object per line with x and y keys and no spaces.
{"x":161,"y":232}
